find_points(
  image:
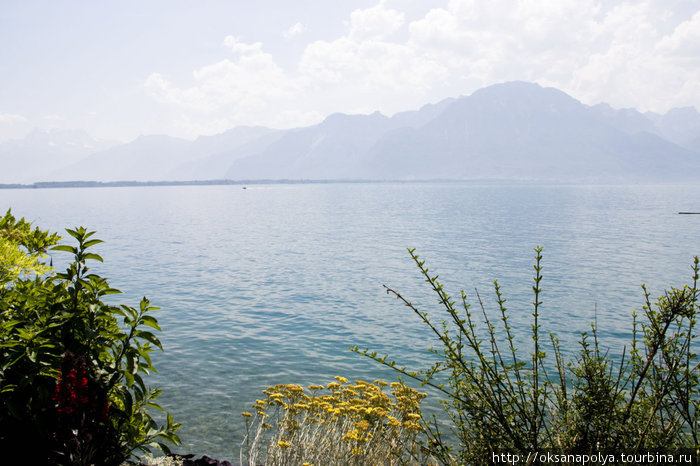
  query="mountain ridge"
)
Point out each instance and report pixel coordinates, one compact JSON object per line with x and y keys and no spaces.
{"x":515,"y":130}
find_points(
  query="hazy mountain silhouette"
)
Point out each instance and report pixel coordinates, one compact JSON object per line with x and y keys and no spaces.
{"x":211,"y":156}
{"x":41,"y":152}
{"x":513,"y":130}
{"x":147,"y":158}
{"x":679,"y":125}
{"x":522,"y":131}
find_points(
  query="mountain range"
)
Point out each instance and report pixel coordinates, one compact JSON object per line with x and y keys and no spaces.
{"x":512,"y":131}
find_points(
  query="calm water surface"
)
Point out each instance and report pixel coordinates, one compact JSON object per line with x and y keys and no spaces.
{"x":273,"y":283}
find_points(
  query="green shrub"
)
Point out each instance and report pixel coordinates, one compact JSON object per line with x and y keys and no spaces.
{"x":341,"y":423}
{"x":498,"y":401}
{"x":21,"y":249}
{"x":71,"y":386}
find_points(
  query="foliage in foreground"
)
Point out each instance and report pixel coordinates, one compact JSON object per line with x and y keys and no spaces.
{"x":21,"y":248}
{"x":71,"y":383}
{"x":499,"y":402}
{"x":341,"y":423}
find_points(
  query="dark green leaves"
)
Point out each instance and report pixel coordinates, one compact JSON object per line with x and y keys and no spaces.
{"x":150,"y":322}
{"x":41,"y":321}
{"x":148,"y":336}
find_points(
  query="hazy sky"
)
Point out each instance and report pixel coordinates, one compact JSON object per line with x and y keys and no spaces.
{"x":123,"y":68}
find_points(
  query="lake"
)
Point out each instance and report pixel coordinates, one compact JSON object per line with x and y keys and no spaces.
{"x":273,"y":283}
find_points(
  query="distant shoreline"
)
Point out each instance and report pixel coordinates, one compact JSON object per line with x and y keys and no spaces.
{"x":488,"y":181}
{"x":119,"y":184}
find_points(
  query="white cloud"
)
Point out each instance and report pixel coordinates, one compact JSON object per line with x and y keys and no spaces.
{"x":242,"y":48}
{"x":359,"y":72}
{"x":13,"y":126}
{"x":10,"y":118}
{"x":376,"y":22}
{"x":635,"y":65}
{"x":370,"y":65}
{"x":595,"y":51}
{"x":295,"y":30}
{"x":685,"y":39}
{"x":54,"y":118}
{"x":243,"y":89}
{"x":250,"y":78}
{"x":502,"y":40}
{"x":629,"y":54}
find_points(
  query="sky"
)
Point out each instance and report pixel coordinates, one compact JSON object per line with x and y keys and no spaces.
{"x":120,"y":69}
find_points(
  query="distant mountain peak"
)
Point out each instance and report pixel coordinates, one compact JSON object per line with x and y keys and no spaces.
{"x":156,"y":138}
{"x":510,"y":130}
{"x":343,"y":117}
{"x":522,"y":90}
{"x":683,"y":112}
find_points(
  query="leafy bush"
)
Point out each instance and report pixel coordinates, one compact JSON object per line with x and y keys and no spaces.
{"x":71,"y":381}
{"x":22,"y":248}
{"x":340,"y":423}
{"x":498,"y":401}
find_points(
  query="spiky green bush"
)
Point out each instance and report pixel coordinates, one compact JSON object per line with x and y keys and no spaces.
{"x":500,"y":400}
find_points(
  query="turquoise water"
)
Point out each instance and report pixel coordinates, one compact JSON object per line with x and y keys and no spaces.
{"x":273,"y":283}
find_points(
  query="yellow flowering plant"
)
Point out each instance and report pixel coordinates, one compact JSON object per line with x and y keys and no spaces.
{"x":339,"y":423}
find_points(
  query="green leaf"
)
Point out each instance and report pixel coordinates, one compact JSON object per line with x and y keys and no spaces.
{"x":130,"y":368}
{"x":155,"y":405}
{"x":164,"y":448}
{"x":92,"y":242}
{"x":129,"y":382}
{"x":132,"y":312}
{"x":139,"y":380}
{"x":74,"y":233}
{"x":147,"y":358}
{"x":149,"y":337}
{"x":150,"y":322}
{"x":66,"y":248}
{"x":128,"y":401}
{"x":146,"y":307}
{"x":96,"y":257}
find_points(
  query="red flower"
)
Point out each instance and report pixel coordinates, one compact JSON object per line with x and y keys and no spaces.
{"x":75,"y":395}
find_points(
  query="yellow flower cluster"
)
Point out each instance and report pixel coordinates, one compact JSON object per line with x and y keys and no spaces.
{"x":365,"y":403}
{"x":366,"y":416}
